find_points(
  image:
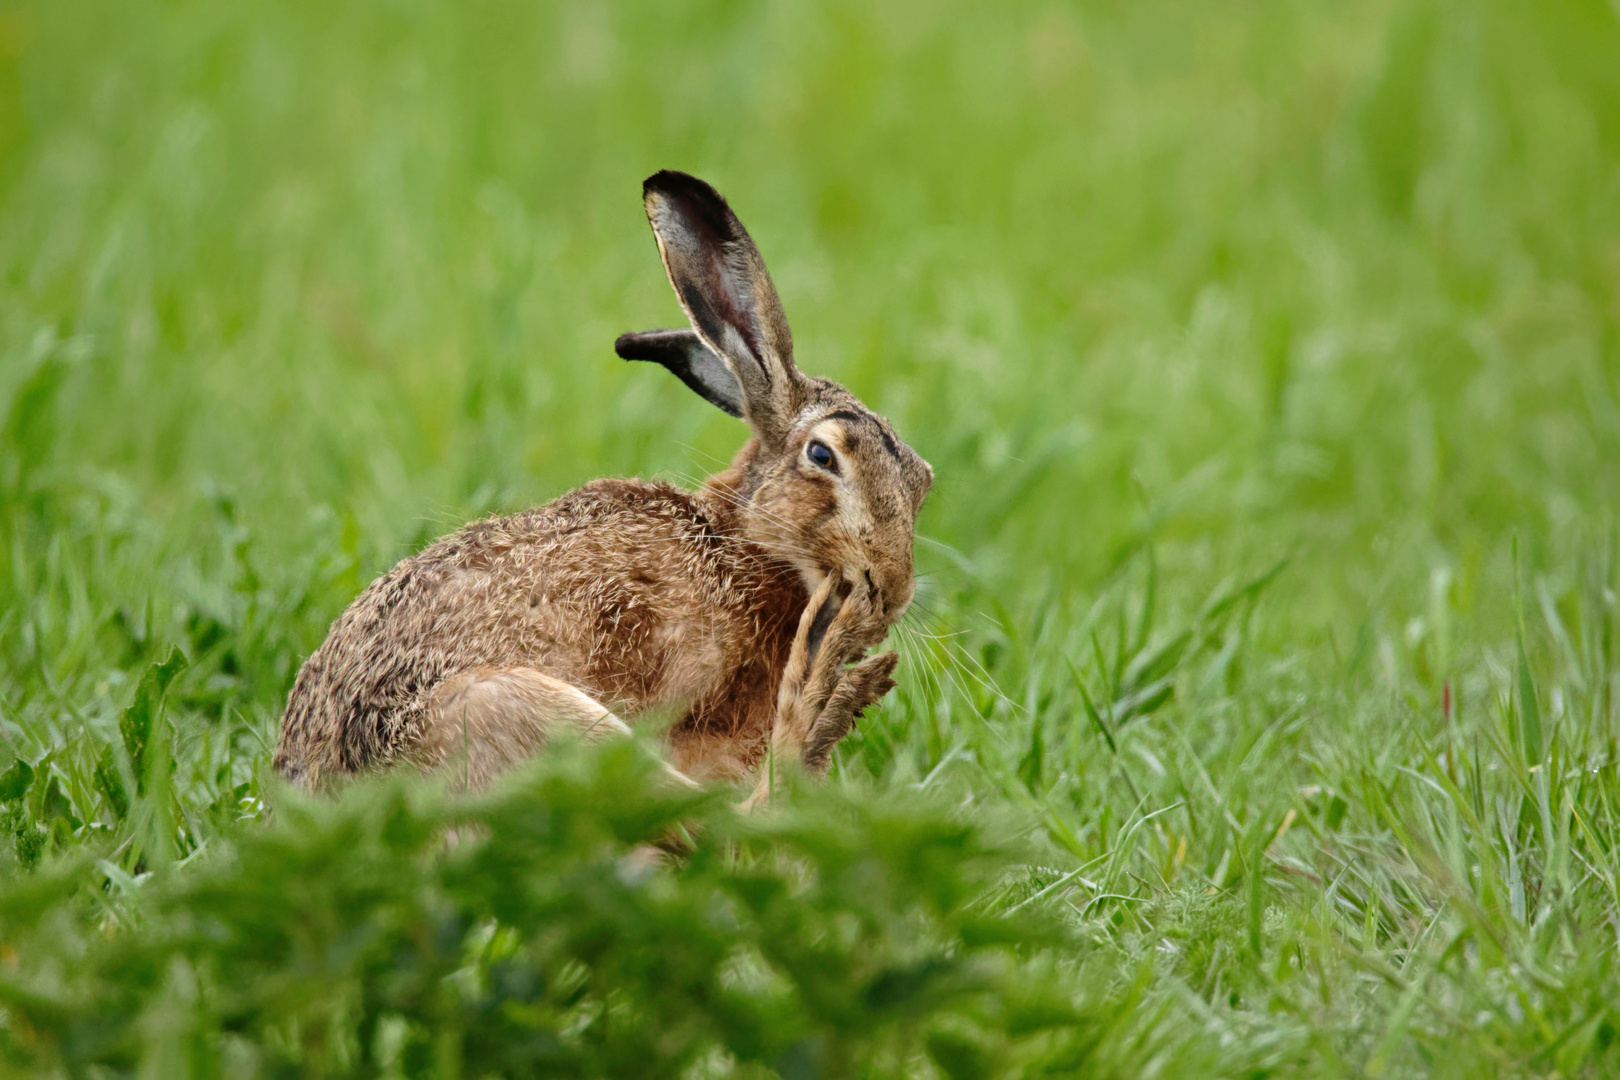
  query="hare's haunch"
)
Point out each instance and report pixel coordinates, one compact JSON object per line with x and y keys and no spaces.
{"x":743,"y":611}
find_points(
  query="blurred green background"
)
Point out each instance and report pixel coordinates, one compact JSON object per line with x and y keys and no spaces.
{"x":1170,"y":294}
{"x":1337,"y":281}
{"x":1246,"y":280}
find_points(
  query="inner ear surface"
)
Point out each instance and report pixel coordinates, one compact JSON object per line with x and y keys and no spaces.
{"x":724,"y":288}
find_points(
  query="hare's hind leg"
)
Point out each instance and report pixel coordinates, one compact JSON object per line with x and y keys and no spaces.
{"x":482,"y":722}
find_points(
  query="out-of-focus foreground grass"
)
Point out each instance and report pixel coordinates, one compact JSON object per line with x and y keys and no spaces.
{"x":1257,"y":714}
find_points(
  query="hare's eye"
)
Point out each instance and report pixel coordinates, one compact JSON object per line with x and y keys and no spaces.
{"x":820,"y":455}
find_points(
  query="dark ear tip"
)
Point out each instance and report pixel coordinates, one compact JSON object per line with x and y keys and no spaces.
{"x":671,"y":182}
{"x":659,"y":346}
{"x":662,"y":180}
{"x":696,"y":200}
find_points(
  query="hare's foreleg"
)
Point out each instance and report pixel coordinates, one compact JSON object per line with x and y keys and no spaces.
{"x":833,"y":696}
{"x":858,"y":687}
{"x":820,"y":698}
{"x":482,"y":722}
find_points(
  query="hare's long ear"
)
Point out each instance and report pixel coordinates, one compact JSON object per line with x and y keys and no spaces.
{"x":727,"y":293}
{"x":693,"y":362}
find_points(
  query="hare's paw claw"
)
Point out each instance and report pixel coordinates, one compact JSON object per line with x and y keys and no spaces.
{"x":858,"y":625}
{"x":870,"y":680}
{"x":859,"y":688}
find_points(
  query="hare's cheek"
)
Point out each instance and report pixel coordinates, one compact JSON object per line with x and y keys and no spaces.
{"x":776,"y":520}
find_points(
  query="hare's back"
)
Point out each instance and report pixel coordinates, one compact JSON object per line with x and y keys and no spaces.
{"x":625,"y":589}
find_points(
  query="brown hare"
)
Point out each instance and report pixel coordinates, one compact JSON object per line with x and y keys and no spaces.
{"x":742,"y":612}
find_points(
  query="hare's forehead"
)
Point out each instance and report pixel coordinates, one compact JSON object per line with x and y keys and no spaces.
{"x":869,"y":439}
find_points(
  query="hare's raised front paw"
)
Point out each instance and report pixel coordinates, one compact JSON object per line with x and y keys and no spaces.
{"x":851,"y":620}
{"x":860,"y":687}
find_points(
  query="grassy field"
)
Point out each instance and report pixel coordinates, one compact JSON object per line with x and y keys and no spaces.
{"x":1257,"y":715}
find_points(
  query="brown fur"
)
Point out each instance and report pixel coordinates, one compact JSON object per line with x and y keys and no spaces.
{"x":626,"y":600}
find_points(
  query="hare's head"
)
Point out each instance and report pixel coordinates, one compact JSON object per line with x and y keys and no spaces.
{"x":825,"y":483}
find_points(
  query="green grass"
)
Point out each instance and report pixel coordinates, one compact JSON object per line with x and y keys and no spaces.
{"x":1257,"y":713}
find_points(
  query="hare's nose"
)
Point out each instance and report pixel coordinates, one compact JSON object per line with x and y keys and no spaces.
{"x":879,"y":596}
